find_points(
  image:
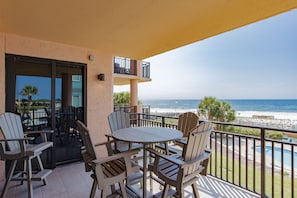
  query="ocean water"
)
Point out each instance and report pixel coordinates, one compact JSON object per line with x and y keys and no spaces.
{"x":280,"y":109}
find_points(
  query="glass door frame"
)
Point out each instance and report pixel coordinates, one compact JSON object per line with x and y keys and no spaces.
{"x":10,"y":87}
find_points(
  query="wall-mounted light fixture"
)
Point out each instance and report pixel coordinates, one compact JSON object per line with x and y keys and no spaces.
{"x":101,"y":77}
{"x":91,"y":57}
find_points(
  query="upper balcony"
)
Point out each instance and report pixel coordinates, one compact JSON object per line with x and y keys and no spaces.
{"x":126,"y":69}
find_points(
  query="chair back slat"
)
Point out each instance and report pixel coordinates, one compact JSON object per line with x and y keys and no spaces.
{"x":11,"y":126}
{"x":118,"y":120}
{"x":186,"y":122}
{"x":85,"y":135}
{"x":197,"y":141}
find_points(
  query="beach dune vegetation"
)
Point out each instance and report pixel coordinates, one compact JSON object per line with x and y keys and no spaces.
{"x":212,"y":109}
{"x":122,"y":98}
{"x":276,"y":135}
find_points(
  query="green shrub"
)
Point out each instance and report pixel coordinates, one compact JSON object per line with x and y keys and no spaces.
{"x":275,"y":135}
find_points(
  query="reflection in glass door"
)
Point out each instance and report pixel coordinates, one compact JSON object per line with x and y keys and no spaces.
{"x":69,"y":108}
{"x":48,"y":94}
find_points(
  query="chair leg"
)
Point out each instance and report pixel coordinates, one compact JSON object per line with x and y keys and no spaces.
{"x":180,"y":191}
{"x":195,"y":190}
{"x":113,"y":189}
{"x":29,"y":177}
{"x":24,"y":171}
{"x":104,"y":193}
{"x":165,"y":191}
{"x":41,"y":168}
{"x":123,"y":189}
{"x":93,"y":190}
{"x":9,"y":176}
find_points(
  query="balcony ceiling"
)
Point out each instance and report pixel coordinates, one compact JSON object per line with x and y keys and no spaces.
{"x":132,"y":28}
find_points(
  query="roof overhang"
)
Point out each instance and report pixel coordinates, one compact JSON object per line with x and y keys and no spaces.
{"x":136,"y":29}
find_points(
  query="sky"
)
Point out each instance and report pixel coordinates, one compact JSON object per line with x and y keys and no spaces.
{"x":258,"y":61}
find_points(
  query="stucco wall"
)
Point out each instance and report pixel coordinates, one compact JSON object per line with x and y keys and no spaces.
{"x":99,"y":93}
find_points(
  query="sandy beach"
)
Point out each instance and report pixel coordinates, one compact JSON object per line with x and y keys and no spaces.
{"x":284,"y":120}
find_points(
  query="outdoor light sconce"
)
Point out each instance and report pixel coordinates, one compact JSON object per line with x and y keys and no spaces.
{"x":101,"y":77}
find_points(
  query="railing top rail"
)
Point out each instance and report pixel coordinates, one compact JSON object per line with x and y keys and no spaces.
{"x":255,"y":127}
{"x":229,"y":124}
{"x":158,"y":116}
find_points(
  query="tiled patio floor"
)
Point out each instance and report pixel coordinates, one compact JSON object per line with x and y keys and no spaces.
{"x":71,"y":181}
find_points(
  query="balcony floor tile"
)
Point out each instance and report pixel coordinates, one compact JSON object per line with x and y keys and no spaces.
{"x":71,"y":181}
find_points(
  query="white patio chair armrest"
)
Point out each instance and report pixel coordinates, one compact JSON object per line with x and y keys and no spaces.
{"x":4,"y":154}
{"x":199,"y":159}
{"x":17,"y":139}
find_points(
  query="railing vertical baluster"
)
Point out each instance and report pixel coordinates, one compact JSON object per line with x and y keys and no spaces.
{"x":216,"y":155}
{"x":33,"y":118}
{"x":138,"y":120}
{"x":263,"y":158}
{"x":292,"y":171}
{"x":221,"y":158}
{"x":210,"y":146}
{"x":254,"y":165}
{"x":233,"y":160}
{"x":282,"y":170}
{"x":239,"y":165}
{"x":272,"y":169}
{"x":246,"y":162}
{"x":227,"y":157}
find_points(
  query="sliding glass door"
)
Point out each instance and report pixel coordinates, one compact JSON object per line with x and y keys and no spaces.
{"x":48,"y":94}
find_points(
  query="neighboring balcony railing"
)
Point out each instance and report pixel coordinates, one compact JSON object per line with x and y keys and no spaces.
{"x":125,"y":66}
{"x":256,"y":162}
{"x":129,"y":67}
{"x":146,"y":69}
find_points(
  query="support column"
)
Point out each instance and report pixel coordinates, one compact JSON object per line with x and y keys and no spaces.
{"x":134,"y":93}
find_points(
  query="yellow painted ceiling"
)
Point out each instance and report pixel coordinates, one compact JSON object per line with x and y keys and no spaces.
{"x":132,"y":28}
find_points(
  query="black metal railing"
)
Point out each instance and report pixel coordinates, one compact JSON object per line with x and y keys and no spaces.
{"x":145,"y":109}
{"x":256,"y":162}
{"x":129,"y":67}
{"x":146,"y":69}
{"x":125,"y":66}
{"x":125,"y":108}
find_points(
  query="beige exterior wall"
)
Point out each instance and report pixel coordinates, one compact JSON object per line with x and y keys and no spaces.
{"x":99,"y":93}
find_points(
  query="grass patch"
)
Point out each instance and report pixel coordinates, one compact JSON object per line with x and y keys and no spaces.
{"x":250,"y":178}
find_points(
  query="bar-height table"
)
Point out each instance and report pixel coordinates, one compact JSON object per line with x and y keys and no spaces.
{"x":146,"y":136}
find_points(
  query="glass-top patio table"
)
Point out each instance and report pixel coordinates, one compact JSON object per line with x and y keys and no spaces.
{"x":146,"y":136}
